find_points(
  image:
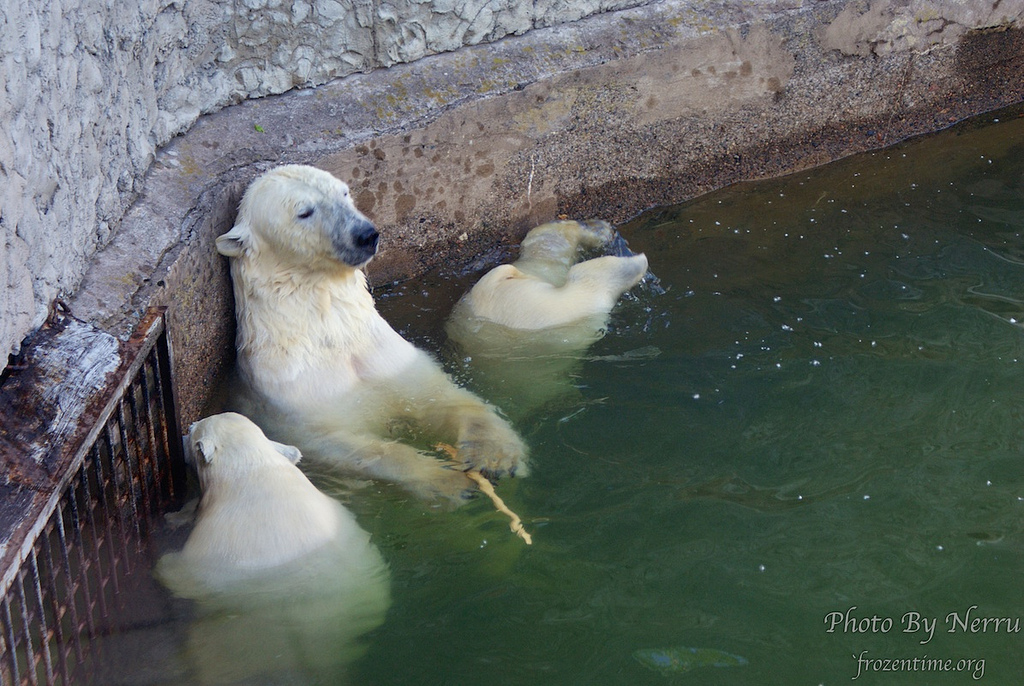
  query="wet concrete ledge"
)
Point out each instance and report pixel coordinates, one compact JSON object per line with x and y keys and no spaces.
{"x":603,"y":118}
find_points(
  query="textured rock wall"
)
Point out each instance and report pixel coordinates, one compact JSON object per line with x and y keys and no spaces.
{"x":92,"y":88}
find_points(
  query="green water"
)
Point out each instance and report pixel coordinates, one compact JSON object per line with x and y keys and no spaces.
{"x":823,"y":411}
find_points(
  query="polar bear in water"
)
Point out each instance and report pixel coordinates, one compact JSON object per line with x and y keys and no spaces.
{"x":324,"y":370}
{"x":524,"y":326}
{"x":284,"y":578}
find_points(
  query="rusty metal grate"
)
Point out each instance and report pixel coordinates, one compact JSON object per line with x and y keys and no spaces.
{"x":88,"y":483}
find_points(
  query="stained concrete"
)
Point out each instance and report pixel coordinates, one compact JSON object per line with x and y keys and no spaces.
{"x":601,"y":118}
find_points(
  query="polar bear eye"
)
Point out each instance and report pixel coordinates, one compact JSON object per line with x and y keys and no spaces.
{"x":306,"y":213}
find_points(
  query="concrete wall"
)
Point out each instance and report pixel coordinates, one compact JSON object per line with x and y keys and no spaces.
{"x":92,"y":88}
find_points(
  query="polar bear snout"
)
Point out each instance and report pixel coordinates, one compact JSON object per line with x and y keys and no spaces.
{"x":355,"y":241}
{"x":299,"y":215}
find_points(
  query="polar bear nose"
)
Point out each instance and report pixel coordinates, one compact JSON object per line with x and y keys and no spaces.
{"x":365,"y":236}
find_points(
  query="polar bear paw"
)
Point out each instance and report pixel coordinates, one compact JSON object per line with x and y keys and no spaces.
{"x":488,"y":444}
{"x":446,"y":484}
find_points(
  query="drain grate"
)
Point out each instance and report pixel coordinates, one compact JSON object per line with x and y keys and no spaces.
{"x":91,"y":454}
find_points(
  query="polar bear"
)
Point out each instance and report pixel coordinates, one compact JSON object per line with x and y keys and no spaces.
{"x":285,"y":579}
{"x":323,"y":368}
{"x":258,"y":512}
{"x":524,"y":326}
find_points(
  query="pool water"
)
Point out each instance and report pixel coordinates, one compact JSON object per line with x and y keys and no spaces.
{"x":783,"y":469}
{"x":822,"y":414}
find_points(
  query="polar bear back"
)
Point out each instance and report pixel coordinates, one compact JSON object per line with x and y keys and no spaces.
{"x":508,"y":296}
{"x":258,"y":511}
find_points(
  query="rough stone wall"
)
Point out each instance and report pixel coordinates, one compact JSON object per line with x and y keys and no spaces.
{"x":92,"y":88}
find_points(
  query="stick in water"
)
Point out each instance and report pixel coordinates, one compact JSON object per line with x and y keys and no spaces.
{"x":481,"y":481}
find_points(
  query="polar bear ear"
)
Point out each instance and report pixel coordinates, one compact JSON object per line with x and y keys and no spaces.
{"x":290,"y":452}
{"x":234,"y":242}
{"x":204,"y":450}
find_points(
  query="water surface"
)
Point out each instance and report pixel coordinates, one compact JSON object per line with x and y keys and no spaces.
{"x":818,"y":425}
{"x":823,"y":412}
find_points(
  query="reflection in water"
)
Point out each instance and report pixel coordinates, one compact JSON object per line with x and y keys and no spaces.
{"x":302,"y":624}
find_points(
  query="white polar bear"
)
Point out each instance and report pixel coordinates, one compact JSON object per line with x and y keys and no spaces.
{"x":326,"y":371}
{"x":285,"y":579}
{"x":524,"y":326}
{"x":258,"y":511}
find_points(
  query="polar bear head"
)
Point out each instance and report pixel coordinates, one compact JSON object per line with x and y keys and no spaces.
{"x":227,"y":441}
{"x":303,"y":216}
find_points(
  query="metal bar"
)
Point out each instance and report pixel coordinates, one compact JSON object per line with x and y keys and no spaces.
{"x":11,"y":640}
{"x":169,"y":406}
{"x":71,"y":588}
{"x":106,"y":500}
{"x":137,"y":462}
{"x":83,"y":563}
{"x":124,"y":492}
{"x":101,"y":601}
{"x":152,"y":453}
{"x":26,"y":634}
{"x":45,"y":632}
{"x":57,"y":607}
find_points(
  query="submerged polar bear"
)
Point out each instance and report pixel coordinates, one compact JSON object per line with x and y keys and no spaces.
{"x":324,"y":368}
{"x":285,"y":579}
{"x":258,"y":511}
{"x":524,"y":326}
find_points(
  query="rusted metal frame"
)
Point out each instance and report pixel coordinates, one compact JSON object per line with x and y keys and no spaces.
{"x":149,"y":343}
{"x":146,"y":335}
